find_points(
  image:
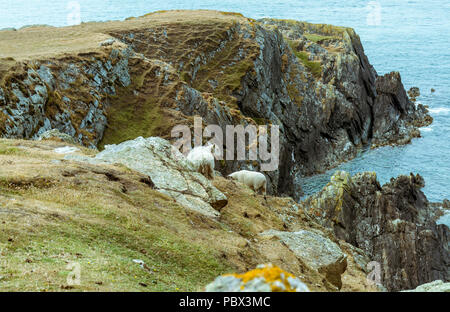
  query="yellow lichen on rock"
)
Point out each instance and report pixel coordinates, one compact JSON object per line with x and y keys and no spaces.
{"x":277,"y":278}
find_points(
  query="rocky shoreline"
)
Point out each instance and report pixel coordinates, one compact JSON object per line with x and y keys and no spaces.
{"x":125,"y":88}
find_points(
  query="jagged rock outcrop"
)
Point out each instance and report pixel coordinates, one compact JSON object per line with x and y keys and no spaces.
{"x":396,"y":118}
{"x":446,"y":204}
{"x":313,"y":81}
{"x":441,"y":210}
{"x":317,"y":251}
{"x":413,"y":93}
{"x":394,"y":224}
{"x":265,"y":278}
{"x":169,"y":171}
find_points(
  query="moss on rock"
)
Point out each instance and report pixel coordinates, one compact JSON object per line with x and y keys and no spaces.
{"x":314,"y":67}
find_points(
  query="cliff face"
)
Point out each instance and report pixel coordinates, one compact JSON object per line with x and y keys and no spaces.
{"x":393,"y":223}
{"x":69,"y":94}
{"x":156,"y":71}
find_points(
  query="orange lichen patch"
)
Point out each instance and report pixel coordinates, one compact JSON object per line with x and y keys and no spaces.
{"x":271,"y":274}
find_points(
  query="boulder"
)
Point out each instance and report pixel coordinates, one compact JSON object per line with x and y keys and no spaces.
{"x":265,"y":278}
{"x":168,"y":169}
{"x":317,"y":251}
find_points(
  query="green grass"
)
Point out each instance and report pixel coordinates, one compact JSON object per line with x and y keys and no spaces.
{"x":37,"y":246}
{"x":4,"y":150}
{"x":130,"y":116}
{"x":315,"y":68}
{"x":48,"y":220}
{"x":124,"y":123}
{"x":175,"y":264}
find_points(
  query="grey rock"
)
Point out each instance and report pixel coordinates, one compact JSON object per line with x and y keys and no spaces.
{"x":233,"y":284}
{"x":317,"y":251}
{"x":107,"y":42}
{"x":170,"y":172}
{"x":46,"y":75}
{"x":29,"y":114}
{"x":2,"y":97}
{"x":396,"y":119}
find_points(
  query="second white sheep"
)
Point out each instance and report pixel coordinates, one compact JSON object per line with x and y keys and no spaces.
{"x":255,"y":180}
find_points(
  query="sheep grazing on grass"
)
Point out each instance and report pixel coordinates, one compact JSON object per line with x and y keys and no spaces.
{"x":255,"y":180}
{"x":202,"y":159}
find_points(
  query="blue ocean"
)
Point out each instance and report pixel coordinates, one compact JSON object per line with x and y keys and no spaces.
{"x":409,"y":36}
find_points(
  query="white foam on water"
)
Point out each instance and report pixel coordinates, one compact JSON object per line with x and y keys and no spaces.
{"x":426,"y":129}
{"x":445,"y":219}
{"x":439,"y":110}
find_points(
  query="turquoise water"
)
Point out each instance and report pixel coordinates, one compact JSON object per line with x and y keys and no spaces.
{"x":412,"y":37}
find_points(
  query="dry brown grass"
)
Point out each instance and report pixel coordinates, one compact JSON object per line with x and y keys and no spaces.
{"x":41,"y":41}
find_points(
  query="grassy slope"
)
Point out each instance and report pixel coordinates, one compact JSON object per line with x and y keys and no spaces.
{"x":49,"y":220}
{"x":55,"y":212}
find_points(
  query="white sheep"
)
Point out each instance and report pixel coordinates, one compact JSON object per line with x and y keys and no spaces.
{"x":255,"y":180}
{"x":202,"y":159}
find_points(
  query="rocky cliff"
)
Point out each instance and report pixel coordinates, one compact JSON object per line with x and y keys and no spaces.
{"x":394,"y":224}
{"x":109,"y":82}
